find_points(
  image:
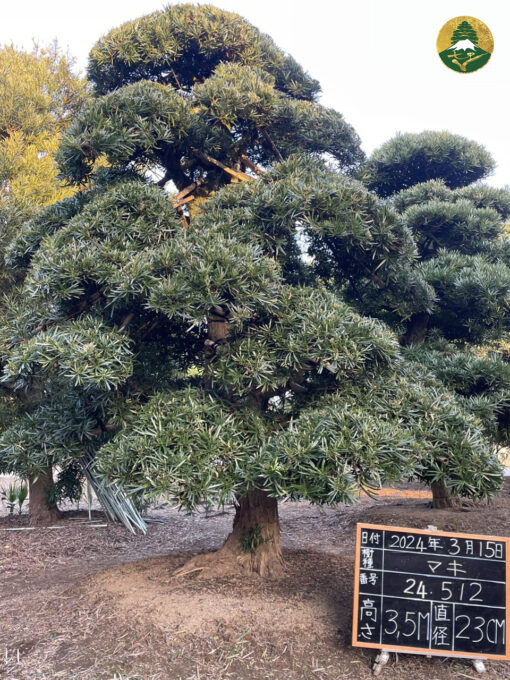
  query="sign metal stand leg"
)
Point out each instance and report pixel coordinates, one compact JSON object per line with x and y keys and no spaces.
{"x":380,"y":661}
{"x":384,"y":656}
{"x":479,"y":665}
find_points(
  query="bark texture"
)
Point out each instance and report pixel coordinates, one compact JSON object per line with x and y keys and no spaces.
{"x":252,"y":547}
{"x":441,"y":497}
{"x":417,"y":330}
{"x":41,"y":510}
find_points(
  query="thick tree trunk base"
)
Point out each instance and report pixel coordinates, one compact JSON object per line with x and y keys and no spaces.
{"x":441,"y":498}
{"x":417,"y":330}
{"x":253,"y":547}
{"x":41,"y":512}
{"x":45,"y":517}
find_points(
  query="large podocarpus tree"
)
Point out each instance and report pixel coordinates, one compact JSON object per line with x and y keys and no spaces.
{"x":172,"y":324}
{"x":432,"y":180}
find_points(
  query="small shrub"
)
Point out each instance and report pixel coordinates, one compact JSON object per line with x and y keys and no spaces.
{"x":14,"y":494}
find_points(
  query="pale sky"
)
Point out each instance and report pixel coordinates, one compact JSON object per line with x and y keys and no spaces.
{"x":375,"y":59}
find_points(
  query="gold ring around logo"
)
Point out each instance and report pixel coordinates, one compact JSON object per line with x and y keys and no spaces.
{"x":465,"y":44}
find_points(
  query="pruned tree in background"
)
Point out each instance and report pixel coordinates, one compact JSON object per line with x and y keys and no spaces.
{"x":458,"y":224}
{"x":175,"y":327}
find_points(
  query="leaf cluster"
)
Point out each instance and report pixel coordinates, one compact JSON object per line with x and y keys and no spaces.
{"x":198,"y":448}
{"x":408,"y":159}
{"x":237,"y":112}
{"x":473,"y":295}
{"x":313,"y":336}
{"x":55,"y":431}
{"x":86,"y":353}
{"x":183,"y":44}
{"x":481,"y":381}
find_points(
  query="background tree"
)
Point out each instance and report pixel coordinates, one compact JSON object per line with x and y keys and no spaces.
{"x":459,"y":229}
{"x":38,"y":94}
{"x":298,"y":394}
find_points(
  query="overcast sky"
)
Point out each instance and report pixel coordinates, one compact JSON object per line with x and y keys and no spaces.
{"x":375,"y":59}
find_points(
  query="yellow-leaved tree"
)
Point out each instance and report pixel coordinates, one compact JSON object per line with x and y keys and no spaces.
{"x":39,"y":94}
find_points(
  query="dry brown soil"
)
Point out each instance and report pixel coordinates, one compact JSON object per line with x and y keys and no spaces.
{"x":92,"y":603}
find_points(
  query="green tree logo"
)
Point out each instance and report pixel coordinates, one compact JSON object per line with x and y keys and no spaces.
{"x":464,"y":31}
{"x":465,"y":44}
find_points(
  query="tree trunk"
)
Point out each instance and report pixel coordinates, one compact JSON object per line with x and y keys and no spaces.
{"x":417,"y":330}
{"x":217,"y":334}
{"x":42,"y":511}
{"x":254,"y":544}
{"x":255,"y":537}
{"x":252,"y":547}
{"x":441,"y":497}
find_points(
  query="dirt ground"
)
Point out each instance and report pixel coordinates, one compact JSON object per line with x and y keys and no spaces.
{"x":84,"y":602}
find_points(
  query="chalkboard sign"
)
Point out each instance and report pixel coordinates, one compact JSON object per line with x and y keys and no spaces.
{"x":431,"y":592}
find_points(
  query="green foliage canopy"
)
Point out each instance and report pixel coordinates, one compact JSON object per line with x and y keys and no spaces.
{"x":409,"y":159}
{"x":208,"y":357}
{"x":463,"y":246}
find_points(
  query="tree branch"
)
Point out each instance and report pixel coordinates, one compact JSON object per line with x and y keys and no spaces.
{"x":166,"y":178}
{"x":241,"y":176}
{"x":126,"y":320}
{"x":373,"y":277}
{"x":105,"y":428}
{"x":251,"y":164}
{"x":182,"y":201}
{"x":152,"y":326}
{"x":268,"y":139}
{"x":187,"y":190}
{"x":179,"y":86}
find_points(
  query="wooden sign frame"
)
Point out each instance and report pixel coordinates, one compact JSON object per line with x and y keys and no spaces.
{"x":426,"y":650}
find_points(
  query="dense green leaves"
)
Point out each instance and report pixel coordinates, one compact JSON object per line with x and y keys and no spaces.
{"x":85,"y":352}
{"x":465,"y":256}
{"x":468,"y":374}
{"x":55,"y":216}
{"x":473,"y":295}
{"x":411,"y":158}
{"x":88,"y":254}
{"x":200,"y":317}
{"x":329,"y":453}
{"x":236,"y":111}
{"x":142,"y":123}
{"x":56,"y":432}
{"x":479,"y":195}
{"x":481,"y":381}
{"x":459,"y":226}
{"x":223,"y":272}
{"x":189,"y":445}
{"x":312,"y":332}
{"x":195,"y":447}
{"x":183,"y":44}
{"x":451,"y":443}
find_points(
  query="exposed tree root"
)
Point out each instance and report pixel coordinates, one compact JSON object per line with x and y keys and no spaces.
{"x":252,"y":547}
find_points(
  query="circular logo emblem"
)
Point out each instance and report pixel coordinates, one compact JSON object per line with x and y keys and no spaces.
{"x":465,"y":44}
